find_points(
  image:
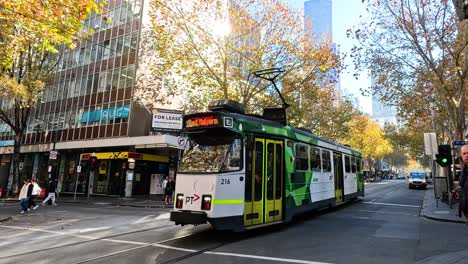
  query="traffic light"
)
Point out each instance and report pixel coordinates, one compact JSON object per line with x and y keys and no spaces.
{"x":93,"y":162}
{"x":444,"y":158}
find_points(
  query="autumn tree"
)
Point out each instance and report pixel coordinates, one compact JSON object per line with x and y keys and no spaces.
{"x":209,"y":49}
{"x":414,"y":50}
{"x":31,"y":35}
{"x":324,"y":112}
{"x":366,"y":136}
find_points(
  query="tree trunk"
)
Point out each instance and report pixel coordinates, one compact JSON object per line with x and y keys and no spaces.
{"x":16,"y":161}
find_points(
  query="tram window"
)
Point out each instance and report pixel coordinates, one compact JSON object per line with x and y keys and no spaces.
{"x":258,"y":171}
{"x":326,"y":161}
{"x":358,"y":164}
{"x":315,"y":159}
{"x":270,"y":169}
{"x":353,"y":164}
{"x":347,"y":163}
{"x":233,"y":159}
{"x":302,"y":158}
{"x":279,"y":171}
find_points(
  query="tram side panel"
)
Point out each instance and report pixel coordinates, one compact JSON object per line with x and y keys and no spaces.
{"x":323,"y":182}
{"x":349,"y":177}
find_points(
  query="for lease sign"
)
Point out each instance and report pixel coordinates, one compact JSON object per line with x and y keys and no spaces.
{"x":167,"y":119}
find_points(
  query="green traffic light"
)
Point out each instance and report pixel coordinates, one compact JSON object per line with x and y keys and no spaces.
{"x":444,"y":160}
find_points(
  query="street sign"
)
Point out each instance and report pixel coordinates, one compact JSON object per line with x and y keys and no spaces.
{"x":430,"y":144}
{"x":78,"y":168}
{"x":460,"y":143}
{"x":181,"y":141}
{"x":53,"y":155}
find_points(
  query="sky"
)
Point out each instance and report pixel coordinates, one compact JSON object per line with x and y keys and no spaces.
{"x":346,"y":15}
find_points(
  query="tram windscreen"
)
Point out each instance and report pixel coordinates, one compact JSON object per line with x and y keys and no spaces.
{"x":211,"y":154}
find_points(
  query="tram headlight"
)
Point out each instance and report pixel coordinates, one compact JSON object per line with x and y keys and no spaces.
{"x":206,"y":202}
{"x":179,"y":200}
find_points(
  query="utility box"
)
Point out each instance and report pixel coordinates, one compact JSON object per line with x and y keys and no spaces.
{"x":440,"y":185}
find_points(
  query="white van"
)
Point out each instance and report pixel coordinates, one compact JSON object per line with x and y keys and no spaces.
{"x":417,"y":179}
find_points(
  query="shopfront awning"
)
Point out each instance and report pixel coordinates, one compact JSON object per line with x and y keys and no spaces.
{"x":154,"y":141}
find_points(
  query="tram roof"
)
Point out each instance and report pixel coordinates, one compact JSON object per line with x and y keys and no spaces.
{"x":260,"y":120}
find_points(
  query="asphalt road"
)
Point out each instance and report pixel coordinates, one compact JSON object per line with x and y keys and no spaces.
{"x":383,"y":227}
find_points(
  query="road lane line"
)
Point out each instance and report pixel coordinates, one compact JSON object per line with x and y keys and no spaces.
{"x":390,"y":204}
{"x":143,"y":244}
{"x":110,"y":254}
{"x":381,"y":212}
{"x":264,"y":258}
{"x":143,"y":219}
{"x":387,"y":194}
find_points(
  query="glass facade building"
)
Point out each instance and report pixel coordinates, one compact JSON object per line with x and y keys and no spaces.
{"x":91,"y":100}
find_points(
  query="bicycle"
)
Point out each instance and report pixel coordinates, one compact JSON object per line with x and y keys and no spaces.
{"x":456,"y":196}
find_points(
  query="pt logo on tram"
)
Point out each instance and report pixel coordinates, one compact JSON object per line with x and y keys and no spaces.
{"x":192,"y":199}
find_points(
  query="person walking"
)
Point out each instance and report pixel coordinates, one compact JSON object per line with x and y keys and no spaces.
{"x":23,"y":196}
{"x":51,"y":188}
{"x":164,"y":187}
{"x":35,"y":191}
{"x":464,"y":182}
{"x":170,"y":187}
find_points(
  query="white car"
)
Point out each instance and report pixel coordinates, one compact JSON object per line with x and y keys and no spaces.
{"x":417,"y":180}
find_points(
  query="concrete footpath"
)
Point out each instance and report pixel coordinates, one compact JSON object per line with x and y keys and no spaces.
{"x":439,"y":211}
{"x":143,"y":201}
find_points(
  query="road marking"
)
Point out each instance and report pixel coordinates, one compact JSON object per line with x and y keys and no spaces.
{"x":143,"y":219}
{"x":390,"y":204}
{"x":163,"y":216}
{"x":157,"y":244}
{"x":381,"y":212}
{"x":387,"y":194}
{"x":110,"y":254}
{"x":33,"y":214}
{"x":93,"y":229}
{"x":263,"y":257}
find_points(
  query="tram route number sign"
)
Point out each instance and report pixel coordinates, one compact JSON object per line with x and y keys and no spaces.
{"x":191,"y":199}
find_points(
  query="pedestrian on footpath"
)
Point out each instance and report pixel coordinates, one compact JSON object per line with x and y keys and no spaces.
{"x":51,"y":188}
{"x":23,"y":196}
{"x":464,"y":182}
{"x":164,"y":185}
{"x":35,"y":191}
{"x":170,"y":188}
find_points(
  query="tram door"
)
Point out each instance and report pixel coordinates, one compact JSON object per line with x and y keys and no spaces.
{"x":338,"y":171}
{"x":264,"y":187}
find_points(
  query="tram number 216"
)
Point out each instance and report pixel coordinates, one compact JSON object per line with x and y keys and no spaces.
{"x":225,"y":181}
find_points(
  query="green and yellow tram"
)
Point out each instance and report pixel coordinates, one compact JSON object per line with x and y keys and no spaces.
{"x":240,"y":171}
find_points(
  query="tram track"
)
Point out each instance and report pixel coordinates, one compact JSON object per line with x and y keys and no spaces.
{"x":236,"y":237}
{"x":109,"y":238}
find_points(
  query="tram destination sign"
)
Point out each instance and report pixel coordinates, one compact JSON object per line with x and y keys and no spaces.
{"x":167,"y":120}
{"x":202,"y":121}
